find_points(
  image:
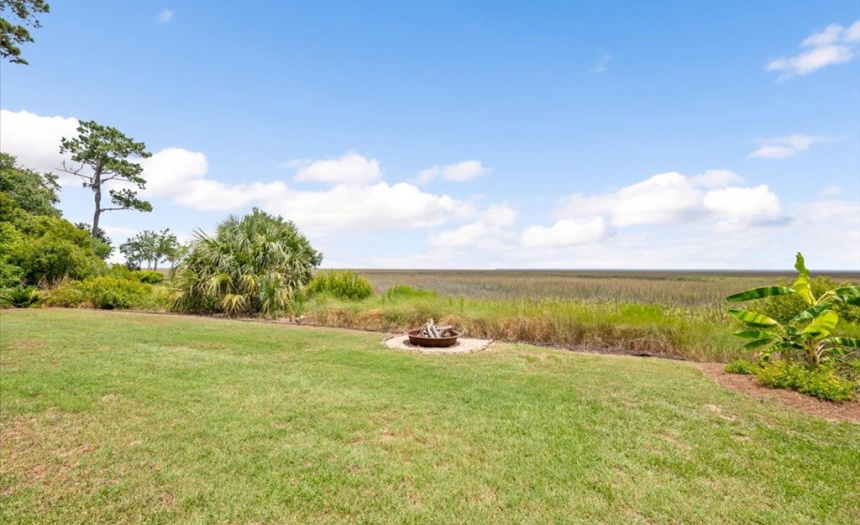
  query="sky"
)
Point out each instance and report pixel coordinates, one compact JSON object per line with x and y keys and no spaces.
{"x":480,"y":134}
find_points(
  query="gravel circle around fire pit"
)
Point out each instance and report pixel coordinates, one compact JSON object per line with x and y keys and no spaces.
{"x":463,"y":345}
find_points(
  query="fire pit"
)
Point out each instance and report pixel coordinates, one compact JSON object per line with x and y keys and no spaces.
{"x":416,"y":339}
{"x":433,"y":336}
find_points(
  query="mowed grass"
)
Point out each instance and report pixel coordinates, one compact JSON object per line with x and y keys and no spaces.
{"x":134,"y":418}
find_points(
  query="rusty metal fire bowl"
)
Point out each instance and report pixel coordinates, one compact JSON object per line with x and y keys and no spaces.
{"x":437,"y":342}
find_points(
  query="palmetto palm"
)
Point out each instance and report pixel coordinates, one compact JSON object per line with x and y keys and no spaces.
{"x":256,"y":264}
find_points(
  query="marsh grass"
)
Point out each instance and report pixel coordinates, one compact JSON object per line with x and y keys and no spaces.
{"x":672,"y":314}
{"x":600,"y":326}
{"x":669,"y":288}
{"x":111,"y":417}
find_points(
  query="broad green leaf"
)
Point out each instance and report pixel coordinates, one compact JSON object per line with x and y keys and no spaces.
{"x":758,"y":343}
{"x":800,"y":265}
{"x":758,"y":293}
{"x":801,"y":285}
{"x":785,"y":345}
{"x":823,"y":324}
{"x":753,"y":319}
{"x":845,"y":341}
{"x":812,"y":312}
{"x":752,"y":334}
{"x":847,"y":293}
{"x":855,"y":301}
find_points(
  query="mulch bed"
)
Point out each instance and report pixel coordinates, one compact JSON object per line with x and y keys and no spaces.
{"x":846,"y":411}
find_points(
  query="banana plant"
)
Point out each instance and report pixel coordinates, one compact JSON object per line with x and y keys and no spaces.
{"x":809,"y":335}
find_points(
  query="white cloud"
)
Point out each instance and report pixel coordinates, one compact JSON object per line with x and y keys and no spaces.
{"x":743,"y":202}
{"x":744,"y":207}
{"x":773,"y":152}
{"x":459,"y":172}
{"x":831,"y":191}
{"x":672,"y":199}
{"x":813,"y":233}
{"x":165,"y":15}
{"x":349,"y":208}
{"x":489,"y":231}
{"x":662,"y":199}
{"x":357,"y":200}
{"x":500,"y":215}
{"x":829,"y":36}
{"x":695,"y":245}
{"x":351,"y":168}
{"x":717,"y":179}
{"x":180,"y":175}
{"x":294,"y":163}
{"x":566,"y":233}
{"x":462,"y":236}
{"x":833,"y":45}
{"x":35,"y":140}
{"x":783,"y":147}
{"x":601,"y":64}
{"x":852,"y":33}
{"x":173,"y":171}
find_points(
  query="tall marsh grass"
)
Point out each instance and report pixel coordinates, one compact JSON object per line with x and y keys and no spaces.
{"x":588,"y":325}
{"x":656,"y":313}
{"x":667,"y":288}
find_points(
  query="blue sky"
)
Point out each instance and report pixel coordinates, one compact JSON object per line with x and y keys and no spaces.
{"x":471,"y":134}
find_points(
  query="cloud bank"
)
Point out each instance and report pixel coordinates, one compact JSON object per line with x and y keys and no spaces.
{"x":715,"y":219}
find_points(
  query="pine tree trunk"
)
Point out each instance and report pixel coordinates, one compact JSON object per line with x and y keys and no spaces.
{"x":97,"y":189}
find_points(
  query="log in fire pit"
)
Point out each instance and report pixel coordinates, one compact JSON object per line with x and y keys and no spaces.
{"x":433,"y":335}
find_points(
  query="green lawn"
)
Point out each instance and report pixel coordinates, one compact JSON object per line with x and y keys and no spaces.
{"x":133,"y":418}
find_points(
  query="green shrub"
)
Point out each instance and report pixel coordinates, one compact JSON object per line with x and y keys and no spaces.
{"x":10,"y":274}
{"x":149,"y":276}
{"x":108,"y":292}
{"x":120,"y":271}
{"x":341,"y":284}
{"x":47,"y":249}
{"x":256,"y":264}
{"x":823,"y":383}
{"x":401,"y":291}
{"x":742,"y":366}
{"x":66,"y":294}
{"x":21,"y":296}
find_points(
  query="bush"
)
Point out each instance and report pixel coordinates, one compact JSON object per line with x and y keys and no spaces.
{"x":108,"y":292}
{"x":47,"y":249}
{"x":401,"y":291}
{"x":257,"y":264}
{"x":149,"y":276}
{"x":341,"y":284}
{"x":21,"y":296}
{"x":120,"y":271}
{"x":823,"y":383}
{"x":66,"y":295}
{"x":742,"y":366}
